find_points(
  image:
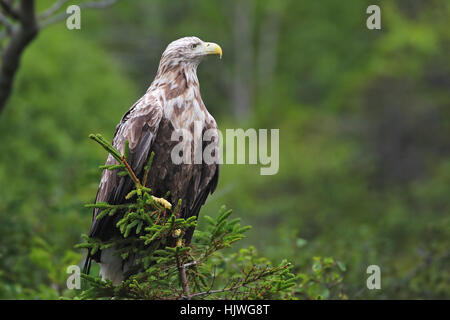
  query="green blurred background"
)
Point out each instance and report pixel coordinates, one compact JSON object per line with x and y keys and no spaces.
{"x":364,"y":133}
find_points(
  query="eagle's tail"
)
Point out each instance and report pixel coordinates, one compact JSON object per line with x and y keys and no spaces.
{"x":112,"y":267}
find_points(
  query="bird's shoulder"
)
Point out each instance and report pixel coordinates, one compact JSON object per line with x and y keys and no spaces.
{"x":144,"y":115}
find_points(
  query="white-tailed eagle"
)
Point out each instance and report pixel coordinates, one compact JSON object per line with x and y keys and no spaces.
{"x":171,"y":102}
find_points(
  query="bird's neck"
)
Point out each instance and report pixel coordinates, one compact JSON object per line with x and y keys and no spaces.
{"x":184,"y":75}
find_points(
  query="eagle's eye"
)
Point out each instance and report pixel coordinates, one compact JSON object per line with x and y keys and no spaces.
{"x":194,"y":45}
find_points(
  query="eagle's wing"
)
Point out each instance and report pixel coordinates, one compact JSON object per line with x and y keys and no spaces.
{"x":139,"y":126}
{"x":204,"y":183}
{"x":210,"y":178}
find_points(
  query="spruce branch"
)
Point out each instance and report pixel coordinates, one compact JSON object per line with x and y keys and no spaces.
{"x":165,"y":268}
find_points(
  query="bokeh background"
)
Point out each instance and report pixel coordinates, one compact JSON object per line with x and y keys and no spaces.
{"x":364,"y":133}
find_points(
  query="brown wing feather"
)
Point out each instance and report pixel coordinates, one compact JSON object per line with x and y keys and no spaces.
{"x":139,"y":126}
{"x":210,"y":178}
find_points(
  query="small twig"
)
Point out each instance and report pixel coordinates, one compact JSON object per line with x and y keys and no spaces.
{"x":183,"y":277}
{"x":213,"y":279}
{"x":55,"y":7}
{"x":243,"y":283}
{"x":131,"y":172}
{"x":9,"y":26}
{"x":212,"y":292}
{"x":59,"y":17}
{"x":186,"y":265}
{"x":9,"y":9}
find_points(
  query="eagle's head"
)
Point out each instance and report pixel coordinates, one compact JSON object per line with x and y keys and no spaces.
{"x":189,"y":51}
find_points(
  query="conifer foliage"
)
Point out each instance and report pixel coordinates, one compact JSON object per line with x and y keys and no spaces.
{"x":165,"y":268}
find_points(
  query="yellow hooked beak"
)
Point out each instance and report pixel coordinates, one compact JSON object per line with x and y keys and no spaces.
{"x":212,"y":48}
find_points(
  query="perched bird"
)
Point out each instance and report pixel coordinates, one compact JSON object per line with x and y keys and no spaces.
{"x":172,"y":102}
